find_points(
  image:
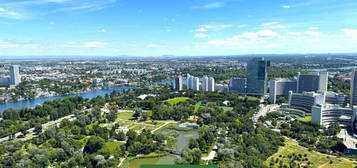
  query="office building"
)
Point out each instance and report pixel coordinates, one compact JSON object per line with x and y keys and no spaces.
{"x":178,"y":83}
{"x":323,"y":81}
{"x":15,"y":77}
{"x":281,"y":87}
{"x":211,"y":84}
{"x":257,"y":70}
{"x":335,"y":98}
{"x":237,"y":85}
{"x":196,"y":84}
{"x":353,"y":89}
{"x":305,"y":101}
{"x":312,"y":82}
{"x":205,"y":81}
{"x":189,"y":81}
{"x":327,"y":114}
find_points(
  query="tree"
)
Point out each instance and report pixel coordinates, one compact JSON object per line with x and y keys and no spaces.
{"x":120,"y":136}
{"x":137,"y":112}
{"x":112,"y":116}
{"x":38,"y":129}
{"x":93,"y":144}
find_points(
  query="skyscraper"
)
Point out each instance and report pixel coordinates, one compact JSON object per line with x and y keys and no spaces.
{"x":280,"y":87}
{"x":15,"y":77}
{"x":205,"y":83}
{"x":353,"y":89}
{"x":211,"y":84}
{"x":312,"y":82}
{"x":178,"y":83}
{"x":196,"y":84}
{"x":257,"y":70}
{"x":189,"y":81}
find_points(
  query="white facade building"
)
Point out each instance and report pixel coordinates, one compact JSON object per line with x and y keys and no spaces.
{"x":15,"y":77}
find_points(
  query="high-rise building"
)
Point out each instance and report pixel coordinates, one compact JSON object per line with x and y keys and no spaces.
{"x":353,"y":89}
{"x":205,"y":83}
{"x":196,"y":84}
{"x":211,"y":84}
{"x":281,"y":87}
{"x":189,"y":81}
{"x":257,"y":70}
{"x":323,"y":81}
{"x":312,"y":82}
{"x":15,"y":77}
{"x":237,"y":85}
{"x":178,"y":83}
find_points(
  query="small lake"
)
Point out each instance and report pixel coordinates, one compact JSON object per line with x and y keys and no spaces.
{"x":165,"y":160}
{"x":182,"y":142}
{"x":33,"y":102}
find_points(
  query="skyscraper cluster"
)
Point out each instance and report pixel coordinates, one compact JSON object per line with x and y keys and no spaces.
{"x":195,"y":83}
{"x":256,"y":81}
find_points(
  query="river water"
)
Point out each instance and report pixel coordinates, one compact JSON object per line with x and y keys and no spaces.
{"x":33,"y":102}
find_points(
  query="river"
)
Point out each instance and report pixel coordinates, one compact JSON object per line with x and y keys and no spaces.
{"x":33,"y":102}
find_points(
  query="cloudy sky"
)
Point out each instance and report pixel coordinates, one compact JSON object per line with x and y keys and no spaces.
{"x":176,"y":27}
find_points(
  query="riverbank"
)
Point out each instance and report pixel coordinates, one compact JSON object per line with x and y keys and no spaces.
{"x":38,"y":101}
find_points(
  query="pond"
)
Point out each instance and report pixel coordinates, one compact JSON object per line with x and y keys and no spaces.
{"x":182,"y":142}
{"x":165,"y":160}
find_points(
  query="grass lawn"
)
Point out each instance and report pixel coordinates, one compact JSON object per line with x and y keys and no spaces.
{"x":316,"y":159}
{"x":176,"y":100}
{"x":197,"y":107}
{"x":307,"y":118}
{"x":125,"y":115}
{"x":111,"y":147}
{"x":225,"y":109}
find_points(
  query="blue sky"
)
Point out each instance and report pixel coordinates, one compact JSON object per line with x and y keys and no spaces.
{"x":176,"y":27}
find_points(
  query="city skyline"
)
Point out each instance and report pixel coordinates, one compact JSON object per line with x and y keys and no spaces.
{"x":186,"y":28}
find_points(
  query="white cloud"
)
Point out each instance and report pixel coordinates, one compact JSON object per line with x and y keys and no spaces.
{"x":102,"y":31}
{"x":31,"y":8}
{"x":269,"y":23}
{"x":266,"y":33}
{"x":88,"y":44}
{"x":314,"y":28}
{"x":153,"y":45}
{"x":52,"y":22}
{"x":351,"y":33}
{"x":6,"y":44}
{"x":246,"y":39}
{"x":207,"y":27}
{"x":212,"y":5}
{"x":273,"y":25}
{"x":5,"y":13}
{"x":201,"y":35}
{"x":295,"y":33}
{"x":312,"y":33}
{"x":286,"y":6}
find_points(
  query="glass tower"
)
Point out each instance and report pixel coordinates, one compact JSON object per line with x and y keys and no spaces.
{"x":257,"y":70}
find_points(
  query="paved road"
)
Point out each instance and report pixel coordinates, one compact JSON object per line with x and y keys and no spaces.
{"x":211,"y":154}
{"x":264,"y":110}
{"x":166,"y":123}
{"x":348,"y":140}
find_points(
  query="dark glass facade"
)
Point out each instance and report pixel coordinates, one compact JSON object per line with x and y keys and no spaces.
{"x":257,"y":70}
{"x":308,"y":83}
